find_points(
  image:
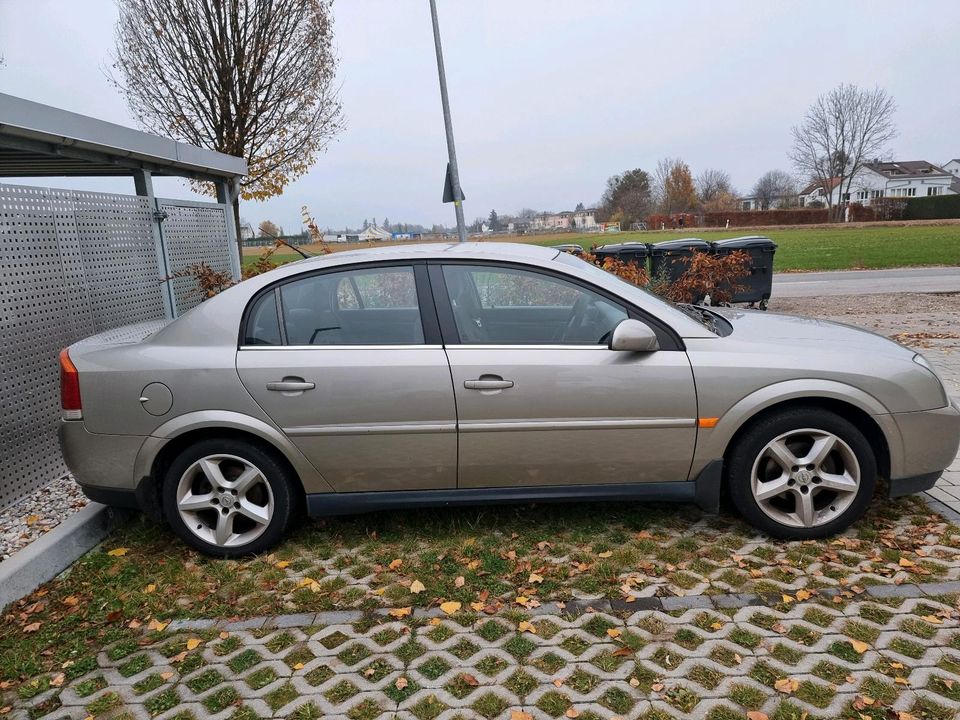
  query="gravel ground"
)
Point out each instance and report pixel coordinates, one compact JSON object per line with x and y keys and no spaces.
{"x":38,"y":513}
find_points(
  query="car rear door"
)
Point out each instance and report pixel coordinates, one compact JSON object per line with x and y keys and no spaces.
{"x":349,"y":363}
{"x":541,"y":400}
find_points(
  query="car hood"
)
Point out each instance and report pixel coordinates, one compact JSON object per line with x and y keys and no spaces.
{"x":793,"y":330}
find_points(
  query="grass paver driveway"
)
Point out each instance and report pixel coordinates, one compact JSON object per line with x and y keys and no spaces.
{"x":623,"y":610}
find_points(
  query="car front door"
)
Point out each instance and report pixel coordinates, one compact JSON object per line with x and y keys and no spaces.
{"x":541,"y":400}
{"x":349,"y":363}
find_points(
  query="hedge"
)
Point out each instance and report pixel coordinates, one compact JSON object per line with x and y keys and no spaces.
{"x":939,"y":207}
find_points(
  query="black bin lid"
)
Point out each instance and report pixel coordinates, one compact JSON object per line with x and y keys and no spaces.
{"x":695,"y":244}
{"x":745,"y":242}
{"x":627,"y":248}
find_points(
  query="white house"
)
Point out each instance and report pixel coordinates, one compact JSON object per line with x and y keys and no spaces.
{"x":584,"y":219}
{"x":816,"y":192}
{"x":953,"y":167}
{"x":900,"y":179}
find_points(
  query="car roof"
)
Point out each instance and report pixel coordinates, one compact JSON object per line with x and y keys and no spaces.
{"x":478,"y":250}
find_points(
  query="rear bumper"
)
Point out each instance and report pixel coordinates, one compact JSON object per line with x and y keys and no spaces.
{"x":929,"y":444}
{"x":104,"y":463}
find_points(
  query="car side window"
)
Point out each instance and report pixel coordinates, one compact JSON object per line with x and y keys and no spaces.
{"x":263,"y":325}
{"x":369,"y":306}
{"x":509,"y":306}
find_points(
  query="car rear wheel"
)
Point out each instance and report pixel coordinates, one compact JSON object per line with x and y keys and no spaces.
{"x":802,"y":473}
{"x":228,"y":498}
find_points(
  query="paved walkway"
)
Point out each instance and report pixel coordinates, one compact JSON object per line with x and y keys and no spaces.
{"x":866,"y":282}
{"x":804,"y":658}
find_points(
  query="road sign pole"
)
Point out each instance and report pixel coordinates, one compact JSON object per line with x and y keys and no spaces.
{"x":448,"y":126}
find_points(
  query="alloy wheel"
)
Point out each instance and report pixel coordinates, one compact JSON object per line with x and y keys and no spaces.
{"x":225,"y":500}
{"x":805,"y":478}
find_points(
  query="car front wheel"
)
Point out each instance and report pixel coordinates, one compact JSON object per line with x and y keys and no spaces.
{"x":802,"y":473}
{"x":228,"y":498}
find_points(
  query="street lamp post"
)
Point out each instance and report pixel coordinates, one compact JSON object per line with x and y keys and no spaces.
{"x":453,"y":172}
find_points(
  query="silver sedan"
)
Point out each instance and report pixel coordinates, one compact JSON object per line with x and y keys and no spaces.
{"x":488,"y":373}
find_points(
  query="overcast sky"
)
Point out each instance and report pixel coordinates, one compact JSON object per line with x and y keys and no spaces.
{"x":549,"y":97}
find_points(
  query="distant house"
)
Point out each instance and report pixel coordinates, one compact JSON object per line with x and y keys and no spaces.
{"x":816,"y":192}
{"x":584,"y":219}
{"x":953,"y":167}
{"x":246,"y":231}
{"x":898,"y":179}
{"x":752,"y":202}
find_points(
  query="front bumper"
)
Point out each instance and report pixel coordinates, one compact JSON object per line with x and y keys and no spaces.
{"x":929,"y":444}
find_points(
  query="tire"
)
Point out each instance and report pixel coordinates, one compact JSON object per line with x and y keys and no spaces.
{"x":229,"y":498}
{"x":823,"y":464}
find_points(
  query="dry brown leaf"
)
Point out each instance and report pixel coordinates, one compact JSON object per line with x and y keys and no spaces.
{"x":32,"y":627}
{"x":460,"y":581}
{"x":298,"y":666}
{"x":224,"y":635}
{"x":401,"y":683}
{"x":193,"y":643}
{"x":608,"y":553}
{"x":572,"y":712}
{"x":400,"y":612}
{"x":535,"y":578}
{"x":786,"y":685}
{"x":526,"y":626}
{"x":757,"y":715}
{"x":179,"y":657}
{"x":614,"y":632}
{"x":906,"y":563}
{"x":57,"y":680}
{"x":469,"y":679}
{"x":860,"y":646}
{"x":450,"y":607}
{"x":657,"y":686}
{"x":417,"y":587}
{"x":118,"y":552}
{"x":395,"y":564}
{"x":156,"y":625}
{"x":520,"y":715}
{"x":70,"y":600}
{"x":166,"y":675}
{"x":803,"y":595}
{"x":283,"y":564}
{"x":933,"y":619}
{"x":634,"y":682}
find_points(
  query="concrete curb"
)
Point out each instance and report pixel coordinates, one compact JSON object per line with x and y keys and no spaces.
{"x":48,"y":556}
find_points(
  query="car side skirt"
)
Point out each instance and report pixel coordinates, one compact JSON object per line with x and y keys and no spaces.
{"x":704,"y":491}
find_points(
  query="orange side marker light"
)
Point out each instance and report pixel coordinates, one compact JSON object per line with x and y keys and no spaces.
{"x":707,"y":422}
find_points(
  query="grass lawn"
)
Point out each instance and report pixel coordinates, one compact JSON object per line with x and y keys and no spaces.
{"x":841,"y":248}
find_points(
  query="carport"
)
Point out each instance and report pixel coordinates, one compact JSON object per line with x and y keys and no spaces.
{"x":75,"y":262}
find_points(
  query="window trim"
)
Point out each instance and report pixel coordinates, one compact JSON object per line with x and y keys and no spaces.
{"x":425,"y":305}
{"x":666,"y":335}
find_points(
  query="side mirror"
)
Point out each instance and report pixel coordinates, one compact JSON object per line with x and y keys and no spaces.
{"x":634,"y":336}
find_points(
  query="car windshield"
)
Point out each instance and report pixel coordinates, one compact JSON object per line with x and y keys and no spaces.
{"x":700,"y":314}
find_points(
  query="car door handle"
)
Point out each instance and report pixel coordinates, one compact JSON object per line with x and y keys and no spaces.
{"x":290,"y":386}
{"x":498,"y":384}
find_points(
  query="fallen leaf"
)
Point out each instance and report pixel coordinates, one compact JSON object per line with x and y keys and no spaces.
{"x":134,"y":624}
{"x":166,"y":675}
{"x":298,"y":666}
{"x":657,"y":687}
{"x":179,"y":657}
{"x":520,"y":715}
{"x":57,"y":680}
{"x":150,"y":588}
{"x":156,"y":625}
{"x":786,"y":685}
{"x":933,"y":619}
{"x":757,"y":715}
{"x":5,"y":709}
{"x":608,"y":553}
{"x":118,"y":552}
{"x":460,"y":581}
{"x":400,"y":612}
{"x":614,"y":632}
{"x":283,"y":564}
{"x":572,"y":712}
{"x":634,"y":682}
{"x":476,"y":606}
{"x":906,"y":563}
{"x":193,"y":643}
{"x":395,"y":564}
{"x":32,"y":627}
{"x":70,"y":600}
{"x":450,"y":607}
{"x":32,"y":519}
{"x":435,"y":621}
{"x":473,"y":565}
{"x":787,"y":598}
{"x":224,"y":634}
{"x":901,"y":680}
{"x":526,"y":626}
{"x":469,"y":679}
{"x":860,"y":646}
{"x":716,"y":625}
{"x":803,"y":594}
{"x":401,"y":683}
{"x":417,"y":587}
{"x":558,"y":682}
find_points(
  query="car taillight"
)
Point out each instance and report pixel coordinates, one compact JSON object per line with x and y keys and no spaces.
{"x":69,"y":388}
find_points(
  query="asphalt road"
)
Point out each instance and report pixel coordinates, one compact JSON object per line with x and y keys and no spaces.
{"x":867,"y":282}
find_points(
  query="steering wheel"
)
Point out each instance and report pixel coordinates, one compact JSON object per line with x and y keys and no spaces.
{"x":579,"y":313}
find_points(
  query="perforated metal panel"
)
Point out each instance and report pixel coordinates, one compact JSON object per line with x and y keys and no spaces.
{"x":72,"y":264}
{"x":193,"y":233}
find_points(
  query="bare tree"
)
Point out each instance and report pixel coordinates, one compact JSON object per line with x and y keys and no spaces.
{"x":270,"y":229}
{"x":252,"y":78}
{"x":713,"y":183}
{"x":844,"y":129}
{"x":776,"y":186}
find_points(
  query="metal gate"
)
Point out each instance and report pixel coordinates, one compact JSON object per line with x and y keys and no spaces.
{"x":74,"y":263}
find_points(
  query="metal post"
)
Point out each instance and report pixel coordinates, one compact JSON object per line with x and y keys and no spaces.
{"x":448,"y":125}
{"x":225,"y":196}
{"x":143,"y":183}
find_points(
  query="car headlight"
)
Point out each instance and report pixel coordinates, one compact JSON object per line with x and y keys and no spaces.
{"x":925,"y":364}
